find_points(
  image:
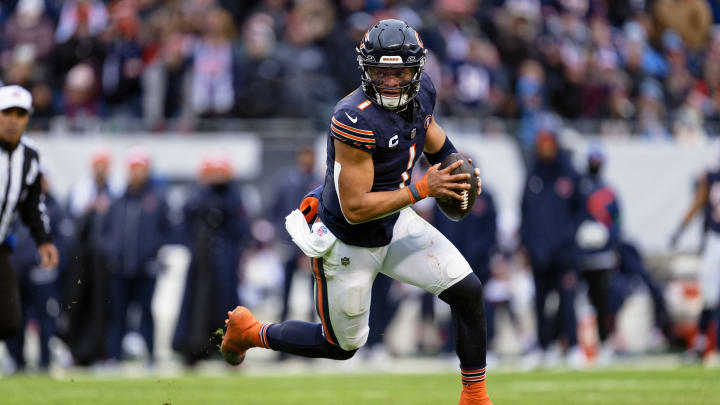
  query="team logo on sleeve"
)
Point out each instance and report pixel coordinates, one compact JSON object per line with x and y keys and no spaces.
{"x":428,"y":120}
{"x":345,"y":261}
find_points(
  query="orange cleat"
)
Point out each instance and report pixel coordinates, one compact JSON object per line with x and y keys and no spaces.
{"x":474,"y":394}
{"x":243,"y":332}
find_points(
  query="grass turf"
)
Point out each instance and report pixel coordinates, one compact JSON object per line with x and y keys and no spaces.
{"x":691,"y":386}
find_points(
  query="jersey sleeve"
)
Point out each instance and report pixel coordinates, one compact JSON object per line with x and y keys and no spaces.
{"x":351,"y":128}
{"x":426,"y":84}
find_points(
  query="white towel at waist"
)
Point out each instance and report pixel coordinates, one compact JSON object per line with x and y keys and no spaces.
{"x":315,"y":242}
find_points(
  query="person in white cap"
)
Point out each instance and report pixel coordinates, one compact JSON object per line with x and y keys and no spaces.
{"x":20,"y":191}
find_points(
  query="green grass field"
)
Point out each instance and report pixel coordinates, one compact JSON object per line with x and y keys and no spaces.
{"x":691,"y":386}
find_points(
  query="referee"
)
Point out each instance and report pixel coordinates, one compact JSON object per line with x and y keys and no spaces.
{"x":19,"y":191}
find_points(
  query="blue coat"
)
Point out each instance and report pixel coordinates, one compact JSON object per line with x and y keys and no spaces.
{"x":135,"y":227}
{"x":218,"y":229}
{"x":550,"y":206}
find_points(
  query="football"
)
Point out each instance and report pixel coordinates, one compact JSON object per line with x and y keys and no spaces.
{"x":453,"y":208}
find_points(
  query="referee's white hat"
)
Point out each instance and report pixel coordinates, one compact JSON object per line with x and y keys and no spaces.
{"x":15,"y":96}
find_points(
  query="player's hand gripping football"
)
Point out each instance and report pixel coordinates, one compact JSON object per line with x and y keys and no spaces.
{"x":477,"y":174}
{"x":443,"y":184}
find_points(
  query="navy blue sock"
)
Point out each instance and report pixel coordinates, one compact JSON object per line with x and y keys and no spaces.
{"x":304,"y":339}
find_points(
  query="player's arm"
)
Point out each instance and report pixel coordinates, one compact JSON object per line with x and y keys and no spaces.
{"x":699,"y":201}
{"x":355,"y":173}
{"x":438,"y":146}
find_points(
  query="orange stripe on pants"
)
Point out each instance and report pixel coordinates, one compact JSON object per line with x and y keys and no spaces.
{"x":321,"y":309}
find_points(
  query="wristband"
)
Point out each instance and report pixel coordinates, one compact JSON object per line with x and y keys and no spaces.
{"x":438,"y":156}
{"x":410,"y":194}
{"x":418,"y":190}
{"x":414,"y":193}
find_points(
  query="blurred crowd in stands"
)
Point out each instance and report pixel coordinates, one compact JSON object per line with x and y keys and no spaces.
{"x":645,"y":67}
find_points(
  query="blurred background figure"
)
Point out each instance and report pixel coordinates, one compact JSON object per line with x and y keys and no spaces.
{"x":217,"y":231}
{"x":94,"y":191}
{"x":632,"y":275}
{"x":551,"y":200}
{"x":706,"y":200}
{"x":39,"y":288}
{"x":83,"y":325}
{"x":213,"y":66}
{"x":290,"y":186}
{"x":123,"y":62}
{"x":598,"y":239}
{"x":134,"y":228}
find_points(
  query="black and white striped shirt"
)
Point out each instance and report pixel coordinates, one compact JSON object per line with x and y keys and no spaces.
{"x":21,"y":190}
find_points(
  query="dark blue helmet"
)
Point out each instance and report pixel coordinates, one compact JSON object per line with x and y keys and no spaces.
{"x":391,"y":44}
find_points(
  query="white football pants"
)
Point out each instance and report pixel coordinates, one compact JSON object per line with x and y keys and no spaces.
{"x":710,"y":271}
{"x":418,"y":254}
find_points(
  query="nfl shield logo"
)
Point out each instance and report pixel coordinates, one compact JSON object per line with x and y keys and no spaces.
{"x":412,"y":133}
{"x":345,"y":261}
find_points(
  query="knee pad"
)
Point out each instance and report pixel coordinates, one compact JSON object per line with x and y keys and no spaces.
{"x":354,"y":340}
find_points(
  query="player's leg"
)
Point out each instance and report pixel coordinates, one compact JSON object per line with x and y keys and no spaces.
{"x":420,"y":255}
{"x":709,"y":280}
{"x":343,"y":281}
{"x":10,"y":311}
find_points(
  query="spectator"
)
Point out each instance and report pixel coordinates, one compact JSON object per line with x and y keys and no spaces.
{"x":651,"y":111}
{"x":551,"y":201}
{"x":77,"y":37}
{"x":192,"y":64}
{"x":29,"y":26}
{"x":213,"y":68}
{"x":81,"y":98}
{"x":123,"y":65}
{"x":689,"y":18}
{"x":308,"y":75}
{"x":83,"y":325}
{"x":218,"y":231}
{"x":134,"y":228}
{"x":260,"y":70}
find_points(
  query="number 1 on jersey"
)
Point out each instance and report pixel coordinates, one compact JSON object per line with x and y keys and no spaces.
{"x":406,"y":174}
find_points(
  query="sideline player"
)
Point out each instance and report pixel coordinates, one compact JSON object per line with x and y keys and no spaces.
{"x":707,"y":199}
{"x":376,"y":135}
{"x":20,"y":178}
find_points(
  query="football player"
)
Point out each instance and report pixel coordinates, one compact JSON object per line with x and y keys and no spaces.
{"x":362,"y":222}
{"x":707,"y":199}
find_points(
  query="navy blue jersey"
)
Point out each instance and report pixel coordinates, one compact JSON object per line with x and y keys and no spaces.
{"x":712,"y":207}
{"x":395,"y":145}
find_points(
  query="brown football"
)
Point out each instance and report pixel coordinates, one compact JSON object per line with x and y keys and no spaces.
{"x":453,"y":208}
